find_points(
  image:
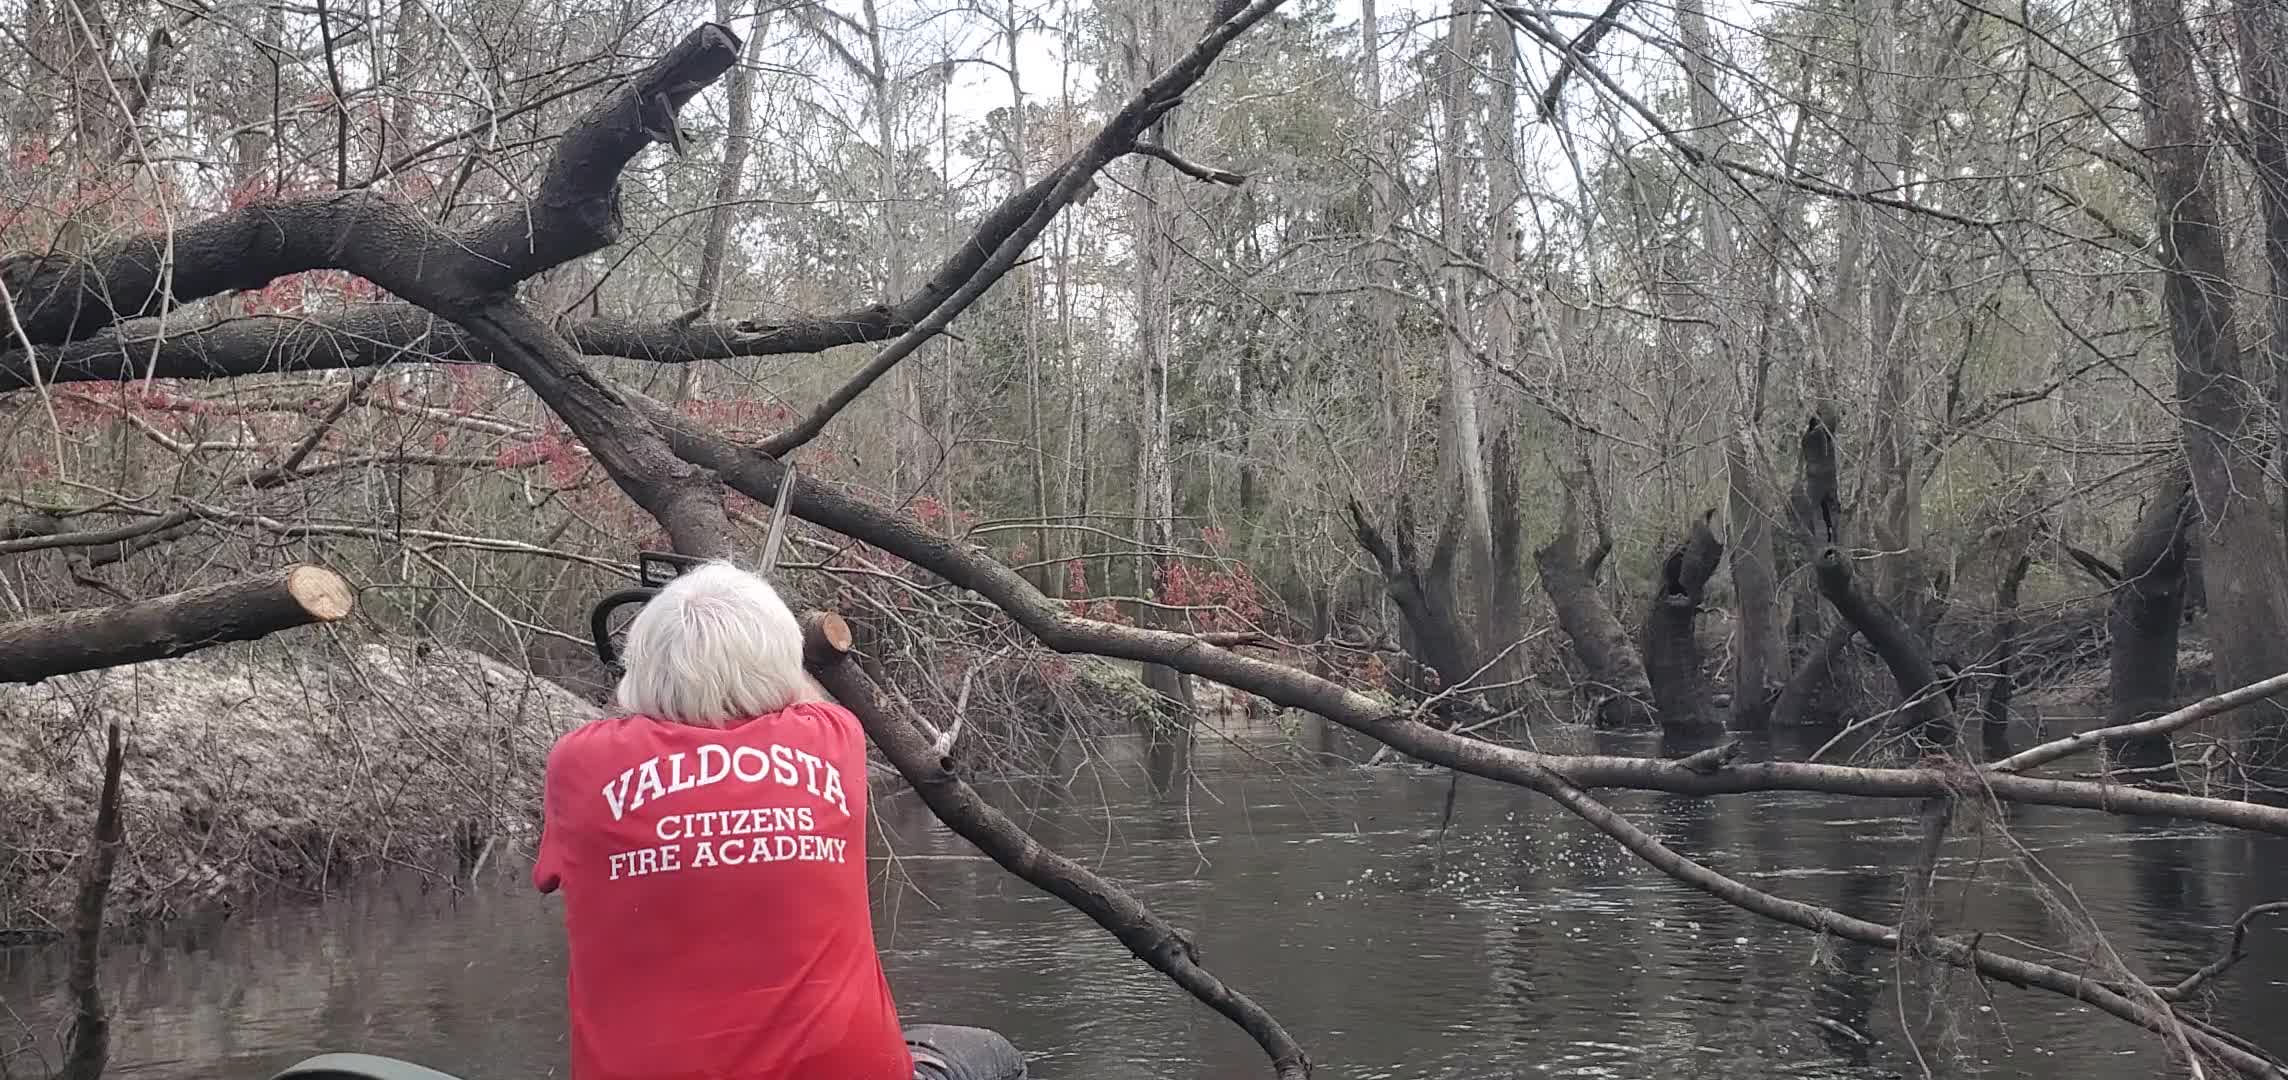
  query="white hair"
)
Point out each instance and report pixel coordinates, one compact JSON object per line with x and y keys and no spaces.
{"x":715,"y":646}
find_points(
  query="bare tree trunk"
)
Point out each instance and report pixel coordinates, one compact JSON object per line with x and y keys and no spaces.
{"x":2001,"y":657}
{"x":1503,"y":593}
{"x":88,"y":1051}
{"x":1895,"y":491}
{"x":1381,"y":307}
{"x":1154,"y":222}
{"x":1760,"y":660}
{"x":1624,"y":695}
{"x":1422,"y":590}
{"x":2242,"y":570}
{"x":2263,"y":35}
{"x":707,"y":292}
{"x":1462,"y":451}
{"x":1025,"y":284}
{"x":910,"y":456}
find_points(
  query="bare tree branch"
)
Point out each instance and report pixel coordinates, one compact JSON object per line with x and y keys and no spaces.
{"x":826,"y":648}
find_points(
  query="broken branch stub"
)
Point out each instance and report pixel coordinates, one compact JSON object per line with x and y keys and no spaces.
{"x":576,"y":210}
{"x":826,"y":652}
{"x":49,"y":645}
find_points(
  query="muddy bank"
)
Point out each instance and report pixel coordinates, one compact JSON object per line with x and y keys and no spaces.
{"x":270,"y":768}
{"x":283,"y":769}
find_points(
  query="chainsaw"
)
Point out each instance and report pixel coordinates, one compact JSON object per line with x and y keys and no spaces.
{"x":654,"y":569}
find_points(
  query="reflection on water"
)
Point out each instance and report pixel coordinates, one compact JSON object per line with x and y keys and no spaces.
{"x":1516,"y":943}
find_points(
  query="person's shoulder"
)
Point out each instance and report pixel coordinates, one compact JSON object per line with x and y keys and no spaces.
{"x":825,"y":717}
{"x":590,"y":735}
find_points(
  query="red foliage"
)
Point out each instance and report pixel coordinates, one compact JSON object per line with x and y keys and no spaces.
{"x":737,"y":416}
{"x":1233,"y":594}
{"x":463,"y":378}
{"x":566,"y":458}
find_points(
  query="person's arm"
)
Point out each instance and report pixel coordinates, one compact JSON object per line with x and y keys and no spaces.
{"x":548,"y":869}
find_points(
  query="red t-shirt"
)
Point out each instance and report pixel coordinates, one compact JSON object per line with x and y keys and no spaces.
{"x":715,"y":900}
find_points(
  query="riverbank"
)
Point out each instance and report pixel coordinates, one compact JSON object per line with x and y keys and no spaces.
{"x":289,"y":769}
{"x":270,"y":768}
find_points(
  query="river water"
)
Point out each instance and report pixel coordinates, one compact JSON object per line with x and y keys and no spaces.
{"x":1516,"y":943}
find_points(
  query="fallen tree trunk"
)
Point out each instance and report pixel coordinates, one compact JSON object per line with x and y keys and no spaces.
{"x":927,"y":765}
{"x":172,"y":625}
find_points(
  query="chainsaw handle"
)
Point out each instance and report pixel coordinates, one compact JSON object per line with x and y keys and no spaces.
{"x":600,"y":619}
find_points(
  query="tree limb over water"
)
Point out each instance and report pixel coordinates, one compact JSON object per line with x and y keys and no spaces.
{"x":894,"y":729}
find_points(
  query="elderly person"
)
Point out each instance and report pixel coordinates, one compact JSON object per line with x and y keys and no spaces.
{"x":710,"y":842}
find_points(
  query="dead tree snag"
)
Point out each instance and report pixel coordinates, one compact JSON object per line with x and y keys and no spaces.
{"x":1927,"y":711}
{"x":1625,"y":695}
{"x":1423,"y":591}
{"x":1623,"y":691}
{"x":2001,"y":658}
{"x":89,"y":1047}
{"x":243,"y":610}
{"x":1672,"y":632}
{"x":2147,"y":609}
{"x":758,"y":477}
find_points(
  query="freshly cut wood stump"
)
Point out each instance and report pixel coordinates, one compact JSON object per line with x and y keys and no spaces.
{"x":172,"y":625}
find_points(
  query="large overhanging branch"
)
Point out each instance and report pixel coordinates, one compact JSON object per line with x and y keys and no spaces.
{"x":382,"y":333}
{"x":49,"y":645}
{"x":1562,"y":777}
{"x":468,"y":276}
{"x":377,"y":334}
{"x":58,"y":298}
{"x":63,"y":300}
